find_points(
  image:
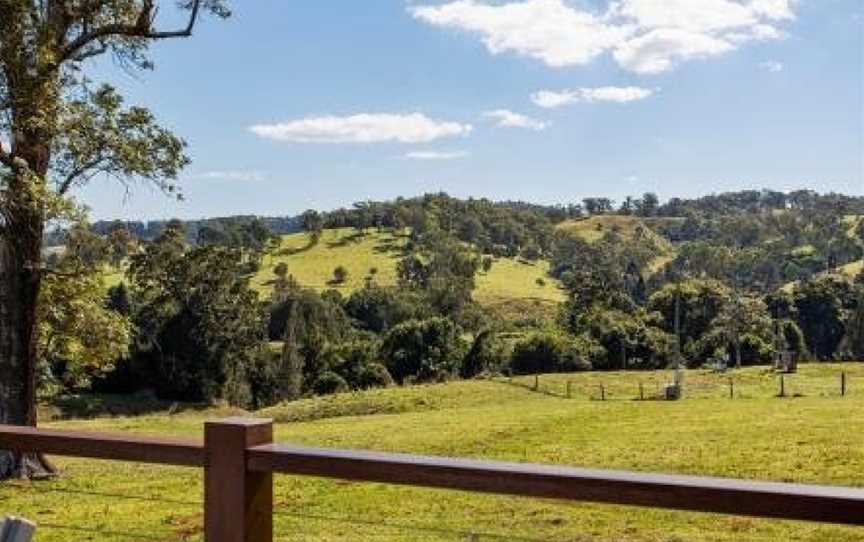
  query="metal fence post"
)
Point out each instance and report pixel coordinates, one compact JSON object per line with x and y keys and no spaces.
{"x":238,"y":504}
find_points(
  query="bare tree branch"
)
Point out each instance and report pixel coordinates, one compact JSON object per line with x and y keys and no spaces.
{"x":141,"y":29}
{"x":76,"y":50}
{"x":77,"y":173}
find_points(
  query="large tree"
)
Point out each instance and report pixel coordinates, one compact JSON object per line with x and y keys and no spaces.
{"x":56,"y":133}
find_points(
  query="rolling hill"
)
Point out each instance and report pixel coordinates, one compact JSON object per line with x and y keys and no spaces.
{"x":849,"y":270}
{"x":593,"y":228}
{"x":510,"y":288}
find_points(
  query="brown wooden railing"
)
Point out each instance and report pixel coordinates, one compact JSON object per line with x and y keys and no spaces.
{"x":239,"y":458}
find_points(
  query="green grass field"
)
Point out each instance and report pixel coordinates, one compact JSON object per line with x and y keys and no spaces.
{"x":816,"y":437}
{"x":510,"y":281}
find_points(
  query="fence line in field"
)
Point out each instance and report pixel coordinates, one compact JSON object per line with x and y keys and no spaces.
{"x":781,"y":385}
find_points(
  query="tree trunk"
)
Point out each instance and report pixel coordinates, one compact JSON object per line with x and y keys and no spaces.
{"x":33,"y":115}
{"x":20,"y":279}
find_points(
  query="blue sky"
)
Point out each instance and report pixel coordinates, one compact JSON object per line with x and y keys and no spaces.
{"x":295,"y":105}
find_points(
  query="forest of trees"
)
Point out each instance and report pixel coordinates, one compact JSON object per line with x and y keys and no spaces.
{"x":749,"y":274}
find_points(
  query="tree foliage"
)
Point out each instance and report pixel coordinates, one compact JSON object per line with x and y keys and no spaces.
{"x":79,"y":336}
{"x":201,"y":328}
{"x":423,"y":350}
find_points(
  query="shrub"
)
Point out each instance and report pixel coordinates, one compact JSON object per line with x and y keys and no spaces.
{"x":350,"y":358}
{"x":340,"y":275}
{"x":795,"y":339}
{"x":423,"y":350}
{"x":251,"y":267}
{"x":377,"y":309}
{"x":487,"y":354}
{"x":315,"y":313}
{"x":634,"y":335}
{"x":550,"y":352}
{"x":281,"y":270}
{"x":531,"y":252}
{"x":373,"y":375}
{"x":328,"y":383}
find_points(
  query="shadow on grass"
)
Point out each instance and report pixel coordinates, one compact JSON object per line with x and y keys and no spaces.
{"x":394,"y":246}
{"x":311,"y":243}
{"x":355,"y":237}
{"x":109,"y":405}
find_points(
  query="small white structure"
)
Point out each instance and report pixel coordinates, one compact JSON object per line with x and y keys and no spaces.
{"x":16,"y":530}
{"x":785,"y":362}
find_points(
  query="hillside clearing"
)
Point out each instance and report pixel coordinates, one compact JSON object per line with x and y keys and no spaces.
{"x":815,"y":438}
{"x":509,"y":280}
{"x":593,"y":228}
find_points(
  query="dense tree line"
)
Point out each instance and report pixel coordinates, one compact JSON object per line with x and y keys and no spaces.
{"x":187,"y":325}
{"x":499,"y":228}
{"x":150,"y":230}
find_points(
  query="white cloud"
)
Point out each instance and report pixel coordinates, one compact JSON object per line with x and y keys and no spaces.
{"x":661,"y":49}
{"x":435,"y":155}
{"x":362,"y":128}
{"x":548,"y":30}
{"x":774,"y":9}
{"x":550,"y":99}
{"x":772,"y":66}
{"x":692,"y":15}
{"x":508,"y":119}
{"x":644,"y":36}
{"x":232,"y":175}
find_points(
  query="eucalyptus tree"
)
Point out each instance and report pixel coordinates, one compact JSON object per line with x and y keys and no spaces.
{"x":57,"y":132}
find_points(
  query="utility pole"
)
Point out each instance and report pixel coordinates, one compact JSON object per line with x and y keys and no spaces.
{"x":677,"y":360}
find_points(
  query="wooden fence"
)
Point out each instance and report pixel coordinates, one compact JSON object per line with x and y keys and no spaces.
{"x":239,"y":459}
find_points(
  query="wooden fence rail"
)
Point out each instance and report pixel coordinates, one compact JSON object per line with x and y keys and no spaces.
{"x":239,"y":459}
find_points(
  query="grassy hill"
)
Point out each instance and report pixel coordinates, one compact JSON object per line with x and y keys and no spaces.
{"x":593,"y":228}
{"x":509,"y":287}
{"x":850,"y":269}
{"x":816,"y":437}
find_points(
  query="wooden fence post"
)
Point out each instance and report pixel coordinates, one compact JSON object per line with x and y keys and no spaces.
{"x":569,"y":395}
{"x":641,"y":392}
{"x":238,"y":504}
{"x":602,"y":392}
{"x":536,"y":382}
{"x":782,"y":386}
{"x":843,"y":383}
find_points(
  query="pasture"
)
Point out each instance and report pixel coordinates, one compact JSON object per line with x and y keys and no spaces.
{"x":511,"y":282}
{"x":815,"y":435}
